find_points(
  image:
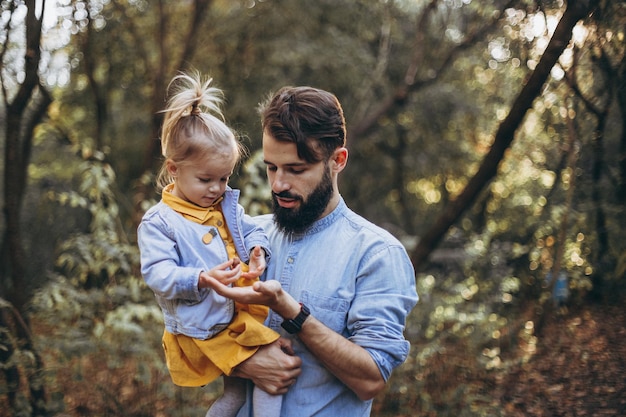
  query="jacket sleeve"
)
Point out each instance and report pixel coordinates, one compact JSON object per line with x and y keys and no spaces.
{"x":160,"y":262}
{"x":253,"y":234}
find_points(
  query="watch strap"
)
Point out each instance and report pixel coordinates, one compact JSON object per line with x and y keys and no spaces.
{"x":294,"y":325}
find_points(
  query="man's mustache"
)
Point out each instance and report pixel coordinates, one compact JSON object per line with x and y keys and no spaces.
{"x":287,"y":194}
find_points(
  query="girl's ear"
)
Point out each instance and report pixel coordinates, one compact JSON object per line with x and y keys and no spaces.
{"x":171,"y":167}
{"x":339,"y":159}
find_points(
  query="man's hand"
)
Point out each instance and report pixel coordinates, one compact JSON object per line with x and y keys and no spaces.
{"x":269,"y":293}
{"x":273,"y":368}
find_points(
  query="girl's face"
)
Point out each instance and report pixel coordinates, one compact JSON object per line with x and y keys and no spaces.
{"x":203,"y":180}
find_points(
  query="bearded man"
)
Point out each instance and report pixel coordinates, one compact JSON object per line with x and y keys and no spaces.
{"x":339,"y":287}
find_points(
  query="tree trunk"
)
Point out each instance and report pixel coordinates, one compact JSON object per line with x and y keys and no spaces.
{"x":575,"y":11}
{"x":22,"y":116}
{"x":99,"y":93}
{"x":621,"y":99}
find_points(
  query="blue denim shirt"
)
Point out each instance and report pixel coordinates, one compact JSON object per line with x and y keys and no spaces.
{"x":173,"y":255}
{"x":357,"y":279}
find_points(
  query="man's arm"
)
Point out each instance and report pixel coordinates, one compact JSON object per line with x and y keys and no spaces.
{"x":349,"y":362}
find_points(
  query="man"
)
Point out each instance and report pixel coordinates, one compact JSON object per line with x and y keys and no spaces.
{"x":339,"y":287}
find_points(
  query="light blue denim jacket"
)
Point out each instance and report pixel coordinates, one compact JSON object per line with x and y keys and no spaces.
{"x":173,"y":255}
{"x":358,"y":280}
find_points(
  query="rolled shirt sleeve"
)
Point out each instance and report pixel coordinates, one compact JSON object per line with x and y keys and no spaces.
{"x":385,"y":294}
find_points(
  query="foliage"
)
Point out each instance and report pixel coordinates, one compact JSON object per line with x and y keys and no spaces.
{"x":108,"y":339}
{"x":103,"y":253}
{"x":255,"y":190}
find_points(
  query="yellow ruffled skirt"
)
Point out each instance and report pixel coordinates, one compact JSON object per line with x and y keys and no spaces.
{"x":195,"y":362}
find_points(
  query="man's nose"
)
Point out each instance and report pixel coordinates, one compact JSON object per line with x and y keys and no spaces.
{"x":279,"y":182}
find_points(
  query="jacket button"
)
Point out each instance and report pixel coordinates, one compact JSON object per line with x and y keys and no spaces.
{"x":207,"y":238}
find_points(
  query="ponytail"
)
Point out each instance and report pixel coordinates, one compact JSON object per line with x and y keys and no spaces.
{"x":191,"y":96}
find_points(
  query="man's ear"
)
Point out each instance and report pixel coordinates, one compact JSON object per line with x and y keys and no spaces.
{"x":339,"y":159}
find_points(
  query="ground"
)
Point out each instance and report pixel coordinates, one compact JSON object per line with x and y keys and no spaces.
{"x":579,"y":368}
{"x":575,"y":365}
{"x":571,"y":365}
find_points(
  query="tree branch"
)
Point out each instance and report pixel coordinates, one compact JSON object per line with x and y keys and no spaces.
{"x":575,"y":11}
{"x":409,"y":83}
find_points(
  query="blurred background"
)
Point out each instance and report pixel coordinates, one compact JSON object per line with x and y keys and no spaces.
{"x":488,"y":136}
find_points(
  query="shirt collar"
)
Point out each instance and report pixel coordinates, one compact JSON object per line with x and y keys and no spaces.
{"x":185,"y":207}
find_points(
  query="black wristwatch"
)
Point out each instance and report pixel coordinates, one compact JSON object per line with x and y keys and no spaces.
{"x":293,"y":326}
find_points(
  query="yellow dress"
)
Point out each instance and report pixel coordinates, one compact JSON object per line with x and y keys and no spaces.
{"x":195,"y":362}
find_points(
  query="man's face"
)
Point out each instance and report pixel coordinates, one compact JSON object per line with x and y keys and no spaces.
{"x":301,"y":191}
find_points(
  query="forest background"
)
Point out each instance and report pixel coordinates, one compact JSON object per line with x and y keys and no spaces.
{"x":488,"y":136}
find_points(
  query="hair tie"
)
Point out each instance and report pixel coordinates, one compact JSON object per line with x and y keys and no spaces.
{"x":195,"y":109}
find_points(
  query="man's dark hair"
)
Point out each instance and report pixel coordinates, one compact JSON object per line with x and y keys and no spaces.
{"x":309,"y":117}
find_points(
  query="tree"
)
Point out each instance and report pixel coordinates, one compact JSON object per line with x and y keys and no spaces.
{"x":24,"y":109}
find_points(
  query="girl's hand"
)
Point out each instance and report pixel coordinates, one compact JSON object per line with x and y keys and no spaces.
{"x":257,"y":263}
{"x":225,"y":273}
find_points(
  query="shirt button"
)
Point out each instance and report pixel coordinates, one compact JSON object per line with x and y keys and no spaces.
{"x":290,"y":260}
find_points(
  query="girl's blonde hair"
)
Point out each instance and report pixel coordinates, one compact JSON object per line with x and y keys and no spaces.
{"x":194,"y":126}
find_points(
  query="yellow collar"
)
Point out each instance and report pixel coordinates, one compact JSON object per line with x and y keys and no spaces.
{"x":201,"y":214}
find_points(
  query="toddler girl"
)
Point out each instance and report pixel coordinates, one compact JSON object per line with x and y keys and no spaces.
{"x":199,"y":230}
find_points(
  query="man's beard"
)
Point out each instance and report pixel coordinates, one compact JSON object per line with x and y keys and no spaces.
{"x":293,"y":221}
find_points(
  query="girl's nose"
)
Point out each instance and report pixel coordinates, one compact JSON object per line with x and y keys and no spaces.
{"x":214,"y":187}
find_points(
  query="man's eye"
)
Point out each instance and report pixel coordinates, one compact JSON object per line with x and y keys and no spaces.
{"x":271,"y":168}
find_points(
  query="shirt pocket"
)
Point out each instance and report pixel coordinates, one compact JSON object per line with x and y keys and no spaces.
{"x":332,"y":311}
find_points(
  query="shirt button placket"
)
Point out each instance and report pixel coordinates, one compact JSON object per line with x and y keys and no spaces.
{"x":287,"y":274}
{"x":285,"y":279}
